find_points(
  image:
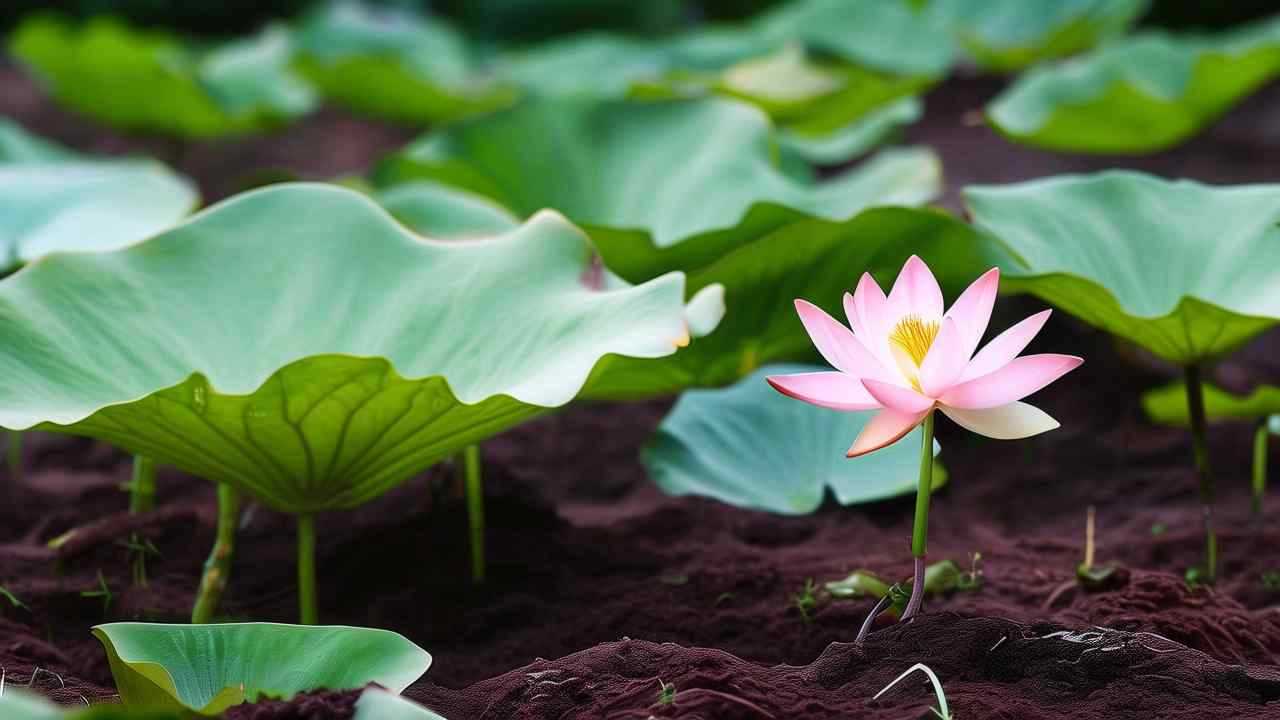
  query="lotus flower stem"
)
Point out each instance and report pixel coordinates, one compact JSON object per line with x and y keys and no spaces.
{"x":142,"y":499}
{"x":217,"y":569}
{"x":470,"y":461}
{"x":920,"y":531}
{"x":1200,"y":444}
{"x":307,"y":612}
{"x":15,"y":456}
{"x":1259,"y":466}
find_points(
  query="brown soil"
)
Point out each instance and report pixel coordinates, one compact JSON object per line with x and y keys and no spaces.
{"x":585,"y":553}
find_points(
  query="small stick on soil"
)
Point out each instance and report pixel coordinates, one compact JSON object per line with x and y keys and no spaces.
{"x":871,"y":618}
{"x":1088,"y":537}
{"x":112,"y":528}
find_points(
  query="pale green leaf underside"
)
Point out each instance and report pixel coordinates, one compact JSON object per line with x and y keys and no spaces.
{"x":1187,"y":271}
{"x":377,"y":704}
{"x":19,"y":146}
{"x":1168,"y":404}
{"x":16,"y":704}
{"x":86,"y":206}
{"x":277,"y":375}
{"x":393,"y":64}
{"x":208,"y":668}
{"x":749,"y":445}
{"x":1142,"y":94}
{"x":1007,"y":35}
{"x":672,"y":169}
{"x":775,"y":256}
{"x":114,"y":73}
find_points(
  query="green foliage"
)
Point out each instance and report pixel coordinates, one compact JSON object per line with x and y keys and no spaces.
{"x":1008,"y":35}
{"x":1143,"y":94}
{"x":394,"y":64}
{"x":775,"y":255}
{"x":1185,"y":270}
{"x":750,"y":446}
{"x":806,"y":600}
{"x":208,"y":668}
{"x":857,"y":584}
{"x":150,"y":81}
{"x":1168,"y":404}
{"x":296,"y":379}
{"x":52,"y":199}
{"x":644,"y":149}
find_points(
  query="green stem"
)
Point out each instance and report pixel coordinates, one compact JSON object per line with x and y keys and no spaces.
{"x":142,"y":499}
{"x":142,"y":488}
{"x":217,"y":569}
{"x":1259,"y":466}
{"x":470,"y":460}
{"x":307,"y":612}
{"x":1200,"y":444}
{"x":920,"y":530}
{"x":15,"y":456}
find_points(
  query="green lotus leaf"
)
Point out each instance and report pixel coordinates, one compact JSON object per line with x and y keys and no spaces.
{"x":625,"y":166}
{"x":209,"y":668}
{"x":394,"y":64}
{"x":19,"y":146}
{"x":856,"y":138}
{"x":749,"y":445}
{"x":886,"y":36}
{"x":444,"y":212}
{"x":52,"y":199}
{"x":113,"y":73}
{"x":1013,"y":34}
{"x":1167,"y":405}
{"x":378,"y":704}
{"x":773,"y":257}
{"x":1143,"y":94}
{"x":307,"y":383}
{"x":19,"y":705}
{"x":1185,"y":270}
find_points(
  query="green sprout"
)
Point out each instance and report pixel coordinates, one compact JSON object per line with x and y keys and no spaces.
{"x":102,"y":591}
{"x":1090,"y":575}
{"x":806,"y":601}
{"x":13,"y":599}
{"x":1270,"y":581}
{"x":942,"y":711}
{"x":666,"y":692}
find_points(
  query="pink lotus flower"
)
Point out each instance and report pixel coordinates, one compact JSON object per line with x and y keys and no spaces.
{"x":906,"y":357}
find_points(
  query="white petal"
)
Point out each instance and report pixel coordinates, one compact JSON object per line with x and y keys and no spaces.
{"x":1004,"y":422}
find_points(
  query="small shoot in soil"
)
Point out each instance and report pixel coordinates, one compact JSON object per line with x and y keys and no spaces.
{"x":1206,"y":573}
{"x":666,"y":692}
{"x":142,"y":499}
{"x":1271,"y":581}
{"x":806,"y":601}
{"x":13,"y":599}
{"x":140,"y":549}
{"x":942,"y":711}
{"x":1090,"y":575}
{"x":103,"y":591}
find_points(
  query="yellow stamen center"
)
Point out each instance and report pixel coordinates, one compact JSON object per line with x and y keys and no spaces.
{"x":912,"y":336}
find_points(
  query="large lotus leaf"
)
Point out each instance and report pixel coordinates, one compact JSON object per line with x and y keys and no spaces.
{"x":18,"y":705}
{"x":348,"y":355}
{"x":750,"y":446}
{"x":1187,"y":271}
{"x":394,"y":64}
{"x":53,"y":202}
{"x":1168,"y":404}
{"x":774,"y":257}
{"x":670,"y":169}
{"x":886,"y":36}
{"x":444,"y":212}
{"x":15,"y":704}
{"x":143,"y":80}
{"x":1142,"y":94}
{"x":378,"y":704}
{"x":208,"y":668}
{"x":1008,"y":35}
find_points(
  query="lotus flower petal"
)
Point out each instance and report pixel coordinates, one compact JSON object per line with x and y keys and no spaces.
{"x":1016,"y":380}
{"x":886,"y":428}
{"x":916,"y":291}
{"x":1005,"y":347}
{"x":1004,"y":422}
{"x":833,"y":390}
{"x":972,"y":310}
{"x":837,"y":343}
{"x":946,"y":359}
{"x":896,"y":396}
